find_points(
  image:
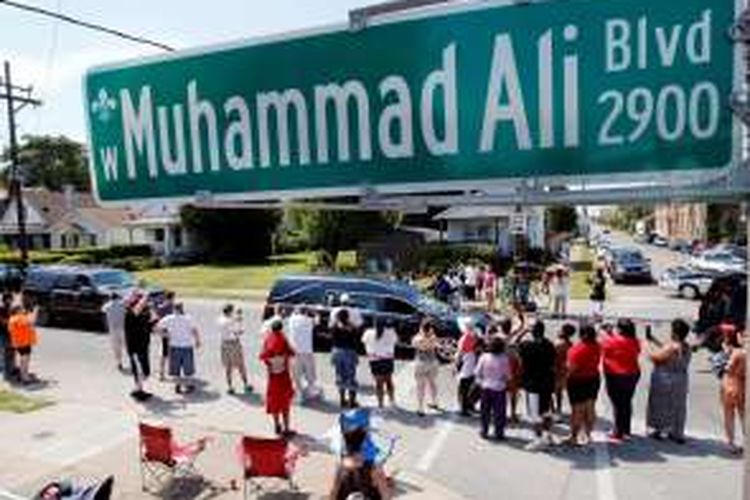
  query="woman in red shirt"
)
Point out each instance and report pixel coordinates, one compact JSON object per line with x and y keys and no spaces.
{"x":583,"y":383}
{"x":621,"y":350}
{"x":276,"y":354}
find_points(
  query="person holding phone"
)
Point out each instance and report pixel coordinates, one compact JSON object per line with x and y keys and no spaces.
{"x":667,"y":398}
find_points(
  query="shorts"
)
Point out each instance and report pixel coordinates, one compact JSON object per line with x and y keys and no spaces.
{"x":426,"y":369}
{"x":583,"y":390}
{"x":231,"y":354}
{"x":24,"y":351}
{"x":164,"y":347}
{"x":345,"y":363}
{"x":381,"y":367}
{"x":181,"y":362}
{"x":140,"y":365}
{"x":539,"y":405}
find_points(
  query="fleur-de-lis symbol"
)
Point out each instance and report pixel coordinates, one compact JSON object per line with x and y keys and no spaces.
{"x":103,"y":106}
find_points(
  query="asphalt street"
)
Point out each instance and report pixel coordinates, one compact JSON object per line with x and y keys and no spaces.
{"x":441,"y":448}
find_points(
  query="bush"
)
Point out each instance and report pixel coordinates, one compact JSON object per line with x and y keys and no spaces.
{"x":436,"y":257}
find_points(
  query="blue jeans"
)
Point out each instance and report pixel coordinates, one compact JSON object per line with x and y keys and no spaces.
{"x":345,"y":363}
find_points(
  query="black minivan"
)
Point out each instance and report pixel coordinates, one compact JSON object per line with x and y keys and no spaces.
{"x":397,"y":302}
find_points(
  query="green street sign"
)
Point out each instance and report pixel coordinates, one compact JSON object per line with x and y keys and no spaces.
{"x":433,"y":100}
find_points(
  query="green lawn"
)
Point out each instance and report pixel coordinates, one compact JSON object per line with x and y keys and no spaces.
{"x":11,"y":402}
{"x":242,"y":281}
{"x":581,"y":258}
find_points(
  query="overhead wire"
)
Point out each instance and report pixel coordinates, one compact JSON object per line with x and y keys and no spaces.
{"x":85,"y":24}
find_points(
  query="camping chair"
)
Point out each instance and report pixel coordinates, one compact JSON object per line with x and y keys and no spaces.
{"x":267,"y":458}
{"x":162,"y":456}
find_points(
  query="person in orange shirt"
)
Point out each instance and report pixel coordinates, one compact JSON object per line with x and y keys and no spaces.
{"x":22,"y":338}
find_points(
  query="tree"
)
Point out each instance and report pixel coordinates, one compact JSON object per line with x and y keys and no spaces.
{"x":52,"y":162}
{"x":562,"y":219}
{"x":331,"y":231}
{"x":231,"y":235}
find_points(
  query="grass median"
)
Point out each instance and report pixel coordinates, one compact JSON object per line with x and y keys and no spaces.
{"x":12,"y":402}
{"x":236,"y":281}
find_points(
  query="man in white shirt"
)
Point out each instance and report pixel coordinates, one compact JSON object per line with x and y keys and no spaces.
{"x":114,"y":311}
{"x":355,"y":316}
{"x":300,"y":327}
{"x":183,"y":340}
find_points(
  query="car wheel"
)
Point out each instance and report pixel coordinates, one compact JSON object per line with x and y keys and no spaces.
{"x":689,"y":292}
{"x":447,"y":349}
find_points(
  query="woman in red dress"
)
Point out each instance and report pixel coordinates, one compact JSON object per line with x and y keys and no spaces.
{"x":276,"y":354}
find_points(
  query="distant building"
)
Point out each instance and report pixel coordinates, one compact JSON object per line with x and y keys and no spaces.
{"x":491,"y":224}
{"x":69,"y":220}
{"x":160,"y":226}
{"x":62,"y":221}
{"x":681,"y":221}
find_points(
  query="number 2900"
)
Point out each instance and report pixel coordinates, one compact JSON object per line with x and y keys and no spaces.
{"x":672,"y":110}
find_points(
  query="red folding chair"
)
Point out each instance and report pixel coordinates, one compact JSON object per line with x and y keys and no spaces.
{"x":267,"y":458}
{"x":161,"y":456}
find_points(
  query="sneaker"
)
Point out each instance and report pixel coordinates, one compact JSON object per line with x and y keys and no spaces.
{"x":536,"y":445}
{"x":230,"y":391}
{"x":248,"y":389}
{"x":420,"y":414}
{"x":483,"y":435}
{"x":615,"y":438}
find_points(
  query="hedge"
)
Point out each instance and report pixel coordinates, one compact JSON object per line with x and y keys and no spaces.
{"x":129,"y":257}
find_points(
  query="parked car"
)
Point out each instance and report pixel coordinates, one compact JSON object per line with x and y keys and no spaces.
{"x":720,"y":260}
{"x":680,"y":245}
{"x":10,"y":277}
{"x":629,"y":265}
{"x":73,"y":296}
{"x":377,"y":300}
{"x":724,"y":302}
{"x":687,"y":282}
{"x":659,"y":241}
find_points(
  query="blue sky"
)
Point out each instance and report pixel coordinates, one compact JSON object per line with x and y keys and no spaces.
{"x":53,"y":56}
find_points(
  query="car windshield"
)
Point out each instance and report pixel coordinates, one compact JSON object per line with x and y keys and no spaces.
{"x":627,"y":256}
{"x":119,"y":279}
{"x":432,"y":306}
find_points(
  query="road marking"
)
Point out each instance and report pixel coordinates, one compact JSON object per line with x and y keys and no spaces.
{"x":605,"y":484}
{"x":7,"y":495}
{"x":436,"y":445}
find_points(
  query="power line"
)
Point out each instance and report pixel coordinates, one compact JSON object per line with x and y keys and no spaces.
{"x":85,"y":24}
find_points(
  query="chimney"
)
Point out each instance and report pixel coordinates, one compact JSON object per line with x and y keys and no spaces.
{"x":69,"y":191}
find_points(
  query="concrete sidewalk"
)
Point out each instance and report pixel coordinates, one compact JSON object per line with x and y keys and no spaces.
{"x":89,"y":443}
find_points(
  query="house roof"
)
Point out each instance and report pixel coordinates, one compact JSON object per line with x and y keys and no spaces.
{"x":52,"y":206}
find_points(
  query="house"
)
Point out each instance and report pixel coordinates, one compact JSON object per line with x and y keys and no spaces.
{"x":64,"y":220}
{"x":69,"y":220}
{"x":683,"y":221}
{"x":159,"y":225}
{"x":494,"y":225}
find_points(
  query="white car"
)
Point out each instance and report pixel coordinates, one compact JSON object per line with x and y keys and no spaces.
{"x":687,"y":282}
{"x":718,"y":260}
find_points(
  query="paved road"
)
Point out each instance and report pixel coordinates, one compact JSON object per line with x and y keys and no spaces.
{"x":94,"y":418}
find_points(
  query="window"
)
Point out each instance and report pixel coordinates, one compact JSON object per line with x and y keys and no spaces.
{"x":177,"y":236}
{"x":396,"y":306}
{"x":82,"y":281}
{"x":364,"y":302}
{"x":159,"y":235}
{"x":66,"y":282}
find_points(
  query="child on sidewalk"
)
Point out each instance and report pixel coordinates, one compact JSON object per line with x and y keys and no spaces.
{"x":492,"y":375}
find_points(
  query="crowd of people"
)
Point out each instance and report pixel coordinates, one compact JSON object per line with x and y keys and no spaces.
{"x":494,"y":364}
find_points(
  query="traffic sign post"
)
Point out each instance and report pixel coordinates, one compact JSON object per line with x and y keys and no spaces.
{"x":449,"y":98}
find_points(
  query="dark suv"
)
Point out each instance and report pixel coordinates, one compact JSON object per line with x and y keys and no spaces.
{"x":376,"y":299}
{"x":74,"y":295}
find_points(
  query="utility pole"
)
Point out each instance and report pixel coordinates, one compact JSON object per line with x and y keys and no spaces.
{"x":16,"y":99}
